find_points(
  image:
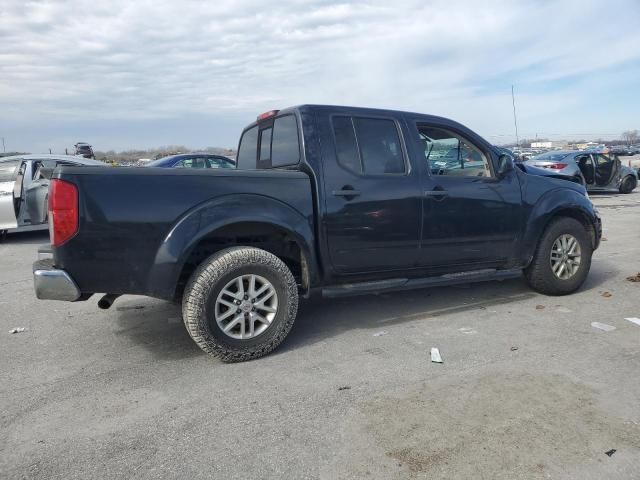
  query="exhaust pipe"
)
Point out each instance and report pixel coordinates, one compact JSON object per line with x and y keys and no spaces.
{"x":105,"y":302}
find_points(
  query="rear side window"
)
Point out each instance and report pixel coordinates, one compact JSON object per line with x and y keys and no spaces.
{"x":248,"y":149}
{"x":369,"y":146}
{"x":285,"y":147}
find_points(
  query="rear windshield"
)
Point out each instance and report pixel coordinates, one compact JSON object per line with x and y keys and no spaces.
{"x":554,"y":157}
{"x":270,"y":144}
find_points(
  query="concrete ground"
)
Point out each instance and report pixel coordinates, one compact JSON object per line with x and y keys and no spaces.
{"x":528,"y":388}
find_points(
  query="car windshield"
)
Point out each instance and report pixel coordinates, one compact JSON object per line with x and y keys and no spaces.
{"x":551,"y":156}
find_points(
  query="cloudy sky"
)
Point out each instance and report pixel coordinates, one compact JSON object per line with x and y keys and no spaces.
{"x":123,"y":74}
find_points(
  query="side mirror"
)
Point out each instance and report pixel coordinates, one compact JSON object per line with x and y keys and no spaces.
{"x":505,"y":164}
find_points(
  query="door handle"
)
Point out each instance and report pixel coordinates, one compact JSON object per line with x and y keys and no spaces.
{"x":436,"y":193}
{"x":346,"y":193}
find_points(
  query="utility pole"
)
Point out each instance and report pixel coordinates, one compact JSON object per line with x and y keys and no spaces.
{"x":515,"y":119}
{"x":4,"y":150}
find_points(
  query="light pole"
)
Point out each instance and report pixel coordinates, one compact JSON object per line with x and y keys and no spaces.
{"x":515,"y":119}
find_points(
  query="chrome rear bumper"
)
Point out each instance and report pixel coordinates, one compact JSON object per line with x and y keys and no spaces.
{"x":51,"y":283}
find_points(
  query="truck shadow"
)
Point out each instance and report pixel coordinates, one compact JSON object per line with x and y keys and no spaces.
{"x":38,"y":237}
{"x":319,"y":319}
{"x":157,"y":325}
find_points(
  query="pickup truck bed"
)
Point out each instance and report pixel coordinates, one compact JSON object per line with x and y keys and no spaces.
{"x":130,"y":242}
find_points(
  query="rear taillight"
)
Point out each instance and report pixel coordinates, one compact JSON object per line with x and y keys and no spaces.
{"x":63,"y":211}
{"x":556,"y":166}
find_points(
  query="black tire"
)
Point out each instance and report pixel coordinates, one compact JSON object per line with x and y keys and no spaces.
{"x":539,"y":273}
{"x":210,"y":278}
{"x":629,"y":183}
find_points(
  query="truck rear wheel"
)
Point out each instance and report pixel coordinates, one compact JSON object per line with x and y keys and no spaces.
{"x":240,"y":304}
{"x":563,"y":258}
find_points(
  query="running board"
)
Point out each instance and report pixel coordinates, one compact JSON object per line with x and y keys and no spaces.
{"x":380,"y":286}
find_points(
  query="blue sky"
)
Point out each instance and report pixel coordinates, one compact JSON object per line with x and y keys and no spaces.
{"x":124,"y":74}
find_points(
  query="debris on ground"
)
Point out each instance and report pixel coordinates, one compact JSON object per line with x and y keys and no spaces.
{"x":610,"y":452}
{"x":561,"y":309}
{"x":635,"y":320}
{"x":607,"y":294}
{"x":346,"y":387}
{"x":514,"y":348}
{"x":467,"y":331}
{"x":539,"y":307}
{"x":435,"y":356}
{"x":18,"y":330}
{"x":604,"y":239}
{"x":603,"y":326}
{"x":634,"y":278}
{"x":381,"y":333}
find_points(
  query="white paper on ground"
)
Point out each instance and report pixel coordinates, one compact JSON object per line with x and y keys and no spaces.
{"x":379,"y":334}
{"x":603,"y":326}
{"x":435,"y":356}
{"x":635,"y":320}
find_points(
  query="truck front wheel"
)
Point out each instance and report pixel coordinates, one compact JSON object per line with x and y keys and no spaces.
{"x":563,"y":258}
{"x":240,"y":304}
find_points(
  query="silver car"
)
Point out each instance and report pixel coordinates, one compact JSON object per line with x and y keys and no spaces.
{"x":24,"y":184}
{"x":596,"y":171}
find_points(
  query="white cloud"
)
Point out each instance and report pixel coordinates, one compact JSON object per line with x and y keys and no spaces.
{"x":150,"y":60}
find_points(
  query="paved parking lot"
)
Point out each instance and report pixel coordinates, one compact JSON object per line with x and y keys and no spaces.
{"x":528,"y":388}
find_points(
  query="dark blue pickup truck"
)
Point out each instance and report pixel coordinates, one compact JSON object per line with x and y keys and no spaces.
{"x":336,"y":200}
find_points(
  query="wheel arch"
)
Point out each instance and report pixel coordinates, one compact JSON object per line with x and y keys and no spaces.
{"x":556,"y":205}
{"x":236,"y":220}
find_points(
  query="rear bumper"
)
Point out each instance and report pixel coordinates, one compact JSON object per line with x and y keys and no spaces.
{"x":51,"y":283}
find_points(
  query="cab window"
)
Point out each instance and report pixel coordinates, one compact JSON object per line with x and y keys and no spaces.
{"x":447,"y":153}
{"x":368,"y":146}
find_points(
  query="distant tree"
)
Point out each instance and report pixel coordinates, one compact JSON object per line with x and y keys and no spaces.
{"x":631,"y":136}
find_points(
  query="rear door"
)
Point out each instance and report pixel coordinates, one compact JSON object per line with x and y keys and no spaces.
{"x":373,"y":204}
{"x":9,"y":208}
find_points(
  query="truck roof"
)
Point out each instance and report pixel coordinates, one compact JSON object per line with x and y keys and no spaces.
{"x":346,"y":109}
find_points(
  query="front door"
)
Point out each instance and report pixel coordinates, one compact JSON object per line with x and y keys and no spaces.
{"x":9,"y":207}
{"x":373,"y":204}
{"x":471,"y":217}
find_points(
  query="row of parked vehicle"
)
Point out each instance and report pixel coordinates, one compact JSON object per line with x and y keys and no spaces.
{"x":24,"y":182}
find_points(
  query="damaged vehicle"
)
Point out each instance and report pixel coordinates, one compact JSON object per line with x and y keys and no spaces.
{"x":596,"y":171}
{"x":24,"y":185}
{"x":326,"y":200}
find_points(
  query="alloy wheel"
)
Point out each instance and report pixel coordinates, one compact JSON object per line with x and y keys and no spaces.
{"x":246,"y":306}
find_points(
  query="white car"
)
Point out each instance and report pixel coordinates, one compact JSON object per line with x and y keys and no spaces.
{"x":26,"y":177}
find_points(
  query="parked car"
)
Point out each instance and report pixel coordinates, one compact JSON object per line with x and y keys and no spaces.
{"x":24,"y":182}
{"x":85,"y":150}
{"x":334,"y":200}
{"x":597,"y":171}
{"x":193,"y":160}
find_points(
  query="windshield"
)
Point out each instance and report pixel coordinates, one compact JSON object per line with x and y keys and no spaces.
{"x":553,"y":156}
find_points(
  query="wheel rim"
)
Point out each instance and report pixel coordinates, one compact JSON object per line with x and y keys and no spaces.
{"x":246,"y":307}
{"x":565,"y":256}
